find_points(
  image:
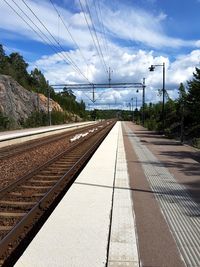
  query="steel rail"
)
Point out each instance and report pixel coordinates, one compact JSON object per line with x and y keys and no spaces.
{"x":9,"y":151}
{"x":23,"y":227}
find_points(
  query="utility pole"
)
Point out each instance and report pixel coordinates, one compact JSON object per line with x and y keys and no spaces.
{"x":48,"y":106}
{"x":136,"y":102}
{"x":132,"y":108}
{"x":109,"y":76}
{"x":143,"y":100}
{"x":152,"y":68}
{"x":93,"y":95}
{"x":163,"y":102}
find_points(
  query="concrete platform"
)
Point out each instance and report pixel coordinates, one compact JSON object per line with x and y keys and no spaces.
{"x":94,"y":223}
{"x":135,"y":204}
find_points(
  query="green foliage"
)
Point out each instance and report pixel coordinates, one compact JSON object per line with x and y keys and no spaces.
{"x":4,"y":122}
{"x":15,"y":66}
{"x":182,"y":118}
{"x":58,"y":117}
{"x":36,"y":119}
{"x":196,"y":142}
{"x":42,"y":119}
{"x":193,"y":98}
{"x":106,"y":114}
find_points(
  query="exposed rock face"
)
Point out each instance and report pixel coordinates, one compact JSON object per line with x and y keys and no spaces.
{"x":18,"y":103}
{"x":42,"y":104}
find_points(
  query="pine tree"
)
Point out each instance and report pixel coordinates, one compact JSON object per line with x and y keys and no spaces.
{"x":193,"y":104}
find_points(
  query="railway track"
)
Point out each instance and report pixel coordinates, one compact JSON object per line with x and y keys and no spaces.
{"x":26,"y":203}
{"x":8,"y":151}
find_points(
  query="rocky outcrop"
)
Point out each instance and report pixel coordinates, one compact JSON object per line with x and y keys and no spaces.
{"x":42,"y":104}
{"x":18,"y":103}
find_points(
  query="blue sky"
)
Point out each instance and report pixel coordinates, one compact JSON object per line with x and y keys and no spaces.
{"x":138,"y":33}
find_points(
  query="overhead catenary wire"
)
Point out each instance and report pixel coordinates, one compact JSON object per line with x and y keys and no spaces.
{"x":55,"y":48}
{"x":103,"y":27}
{"x":68,"y":57}
{"x":31,"y":27}
{"x":96,"y":36}
{"x":67,"y":29}
{"x":99,"y":17}
{"x":11,"y":50}
{"x":33,"y":24}
{"x":94,"y":42}
{"x":41,"y":36}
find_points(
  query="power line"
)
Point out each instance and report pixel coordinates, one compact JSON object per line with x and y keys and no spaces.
{"x":91,"y":33}
{"x":11,"y":51}
{"x":67,"y":29}
{"x":67,"y":56}
{"x":104,"y":40}
{"x":102,"y":24}
{"x":95,"y":32}
{"x":26,"y":22}
{"x":33,"y":24}
{"x":53,"y":47}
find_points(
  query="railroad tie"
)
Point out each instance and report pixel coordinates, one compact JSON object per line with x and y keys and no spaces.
{"x":12,"y":214}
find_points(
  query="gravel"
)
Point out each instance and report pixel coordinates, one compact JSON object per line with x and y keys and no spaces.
{"x":17,"y":166}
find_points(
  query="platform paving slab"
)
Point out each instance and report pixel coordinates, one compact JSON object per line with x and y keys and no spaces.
{"x":77,"y":232}
{"x":123,"y":243}
{"x":178,"y":208}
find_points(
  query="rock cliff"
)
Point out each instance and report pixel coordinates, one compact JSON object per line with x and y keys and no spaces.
{"x":18,"y":103}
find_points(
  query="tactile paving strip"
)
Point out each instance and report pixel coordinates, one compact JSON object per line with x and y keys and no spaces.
{"x":123,"y":244}
{"x":180,"y":211}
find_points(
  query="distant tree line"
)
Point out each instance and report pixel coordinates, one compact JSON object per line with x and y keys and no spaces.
{"x":182,"y":115}
{"x":15,"y":66}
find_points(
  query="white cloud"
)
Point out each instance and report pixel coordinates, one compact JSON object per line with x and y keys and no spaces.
{"x":128,"y":65}
{"x":182,"y":69}
{"x":126,"y":22}
{"x":141,"y":26}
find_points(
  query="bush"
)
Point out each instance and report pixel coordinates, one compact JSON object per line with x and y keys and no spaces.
{"x":41,"y":119}
{"x":36,"y":119}
{"x":196,"y":142}
{"x":58,"y":117}
{"x":5,"y":122}
{"x":194,"y":131}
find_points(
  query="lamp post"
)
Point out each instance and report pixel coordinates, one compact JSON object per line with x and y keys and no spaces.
{"x":152,"y":68}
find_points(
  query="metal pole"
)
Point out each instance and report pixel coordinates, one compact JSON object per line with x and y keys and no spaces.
{"x":163,"y":102}
{"x":143,"y":101}
{"x":93,"y":96}
{"x":48,"y":106}
{"x":132,"y":108}
{"x":109,"y":77}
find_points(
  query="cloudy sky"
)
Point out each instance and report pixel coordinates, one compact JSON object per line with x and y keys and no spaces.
{"x":78,"y":41}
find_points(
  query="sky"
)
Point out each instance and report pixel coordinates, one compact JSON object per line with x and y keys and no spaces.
{"x":78,"y":41}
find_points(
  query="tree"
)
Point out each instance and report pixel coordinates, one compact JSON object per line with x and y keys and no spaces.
{"x":181,"y":104}
{"x":193,"y":104}
{"x":39,"y":82}
{"x":3,"y":61}
{"x":18,"y":69}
